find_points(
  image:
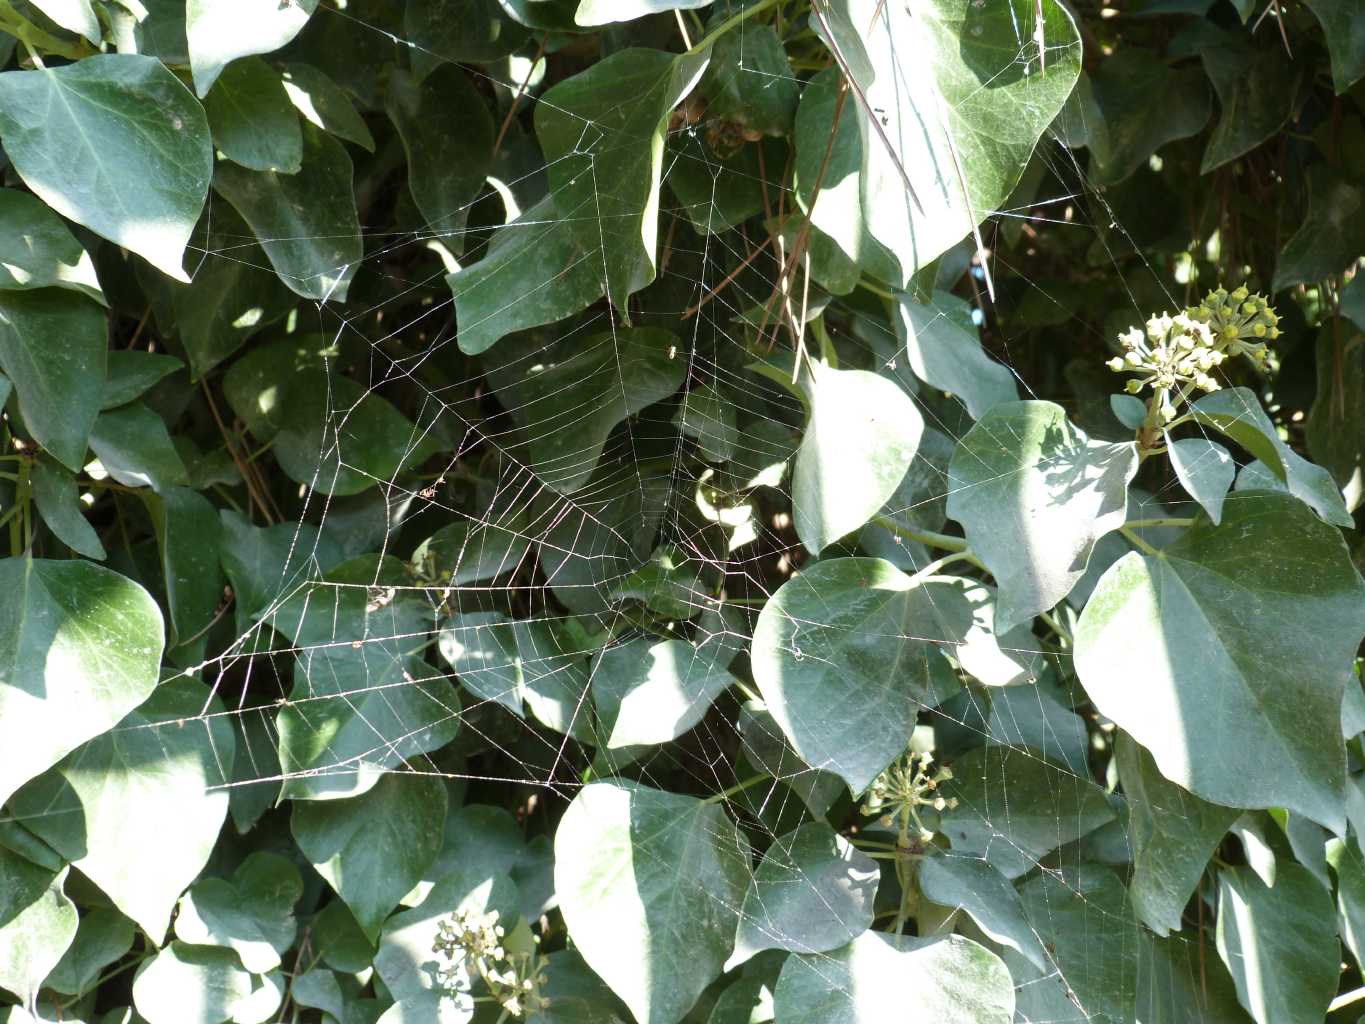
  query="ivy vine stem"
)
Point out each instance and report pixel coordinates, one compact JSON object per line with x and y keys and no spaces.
{"x":729,"y":23}
{"x":1134,"y":524}
{"x":738,"y":787}
{"x":1137,"y":541}
{"x":942,"y":541}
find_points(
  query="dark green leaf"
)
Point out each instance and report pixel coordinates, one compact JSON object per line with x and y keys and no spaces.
{"x":251,"y":914}
{"x":655,"y":691}
{"x":132,"y":372}
{"x":117,"y":143}
{"x":1226,"y":654}
{"x":1328,"y":238}
{"x":134,"y":447}
{"x":1345,"y":34}
{"x":254,"y":124}
{"x":373,"y":848}
{"x":37,"y":250}
{"x":220,"y":31}
{"x":82,"y":646}
{"x":186,"y":526}
{"x":102,"y":937}
{"x":943,"y":348}
{"x":460,"y":31}
{"x":750,"y":82}
{"x":54,"y":490}
{"x":1204,"y":468}
{"x":52,"y":345}
{"x":972,"y":885}
{"x":325,"y":104}
{"x":37,"y":924}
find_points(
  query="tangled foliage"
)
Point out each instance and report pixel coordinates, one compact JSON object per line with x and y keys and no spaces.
{"x":608,"y":511}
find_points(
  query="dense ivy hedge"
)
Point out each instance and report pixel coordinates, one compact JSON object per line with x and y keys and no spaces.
{"x":616,"y":510}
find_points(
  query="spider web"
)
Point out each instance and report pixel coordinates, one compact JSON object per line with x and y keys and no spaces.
{"x":567,"y":567}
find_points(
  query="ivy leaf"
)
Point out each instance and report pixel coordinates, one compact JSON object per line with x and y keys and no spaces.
{"x":750,"y":81}
{"x":1345,"y":39}
{"x":1014,"y":807}
{"x":66,"y":130}
{"x":82,"y":646}
{"x":1228,"y":661}
{"x":607,"y":191}
{"x":534,"y":272}
{"x":254,"y":123}
{"x":55,"y":493}
{"x":1279,"y":943}
{"x":656,"y":692}
{"x":765,"y":746}
{"x":974,"y":886}
{"x":944,"y":113}
{"x":132,"y":372}
{"x":850,"y":411}
{"x":880,"y":977}
{"x":373,"y":848}
{"x":483,"y":841}
{"x":1082,"y":916}
{"x":1336,"y":427}
{"x":37,"y":250}
{"x":265,"y":564}
{"x":1035,"y":716}
{"x":1205,"y":469}
{"x":1257,"y":89}
{"x":73,"y":15}
{"x":159,"y":772}
{"x":839,"y":659}
{"x":252,"y":913}
{"x":186,"y":526}
{"x":1173,"y":834}
{"x":307,"y":221}
{"x":460,"y":31}
{"x":220,"y":31}
{"x":811,"y":892}
{"x":568,"y":403}
{"x":186,"y":984}
{"x":944,"y":350}
{"x":134,"y":447}
{"x":37,"y":924}
{"x":53,"y":347}
{"x":471,"y":550}
{"x":102,"y":937}
{"x":633,"y":862}
{"x":1180,"y":981}
{"x":1033,"y":494}
{"x":325,"y":104}
{"x":446,"y":169}
{"x":1328,"y":236}
{"x":1129,"y":107}
{"x":1349,"y":868}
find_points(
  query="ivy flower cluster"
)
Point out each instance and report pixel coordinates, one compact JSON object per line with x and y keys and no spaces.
{"x":472,"y":943}
{"x":897,"y":794}
{"x":1179,"y":352}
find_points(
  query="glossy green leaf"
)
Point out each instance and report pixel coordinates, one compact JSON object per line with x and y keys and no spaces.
{"x":306,"y":222}
{"x":632,"y":862}
{"x":325,"y":104}
{"x":373,"y":848}
{"x":569,"y":403}
{"x":749,"y":81}
{"x":880,"y":977}
{"x":254,"y":123}
{"x":972,"y":885}
{"x":134,"y":447}
{"x":943,"y":347}
{"x":1226,"y":655}
{"x":220,"y":31}
{"x":37,"y":924}
{"x":1173,"y":834}
{"x":1033,"y":494}
{"x":81,"y":646}
{"x":470,"y":550}
{"x":461,"y":31}
{"x":655,"y":691}
{"x":1035,"y":716}
{"x":1083,"y":919}
{"x":1181,"y":979}
{"x":159,"y":772}
{"x":1238,"y":414}
{"x":1327,"y":238}
{"x":1013,"y":807}
{"x":186,"y":527}
{"x":252,"y":913}
{"x":358,"y":707}
{"x":446,"y":169}
{"x":945,"y":111}
{"x":1345,"y":34}
{"x":103,"y":936}
{"x":1257,"y":90}
{"x":115,"y":142}
{"x":1131,"y":106}
{"x":1336,"y":427}
{"x":841,"y":659}
{"x":76,"y":16}
{"x":38,"y":251}
{"x":1349,"y":868}
{"x":811,"y":892}
{"x":52,"y":346}
{"x":266,"y":564}
{"x":768,"y":749}
{"x":54,"y":491}
{"x":1279,"y":943}
{"x":483,"y":840}
{"x":534,"y":272}
{"x":1205,"y":469}
{"x":131,"y":372}
{"x":186,"y":984}
{"x":850,"y":411}
{"x":606,"y":191}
